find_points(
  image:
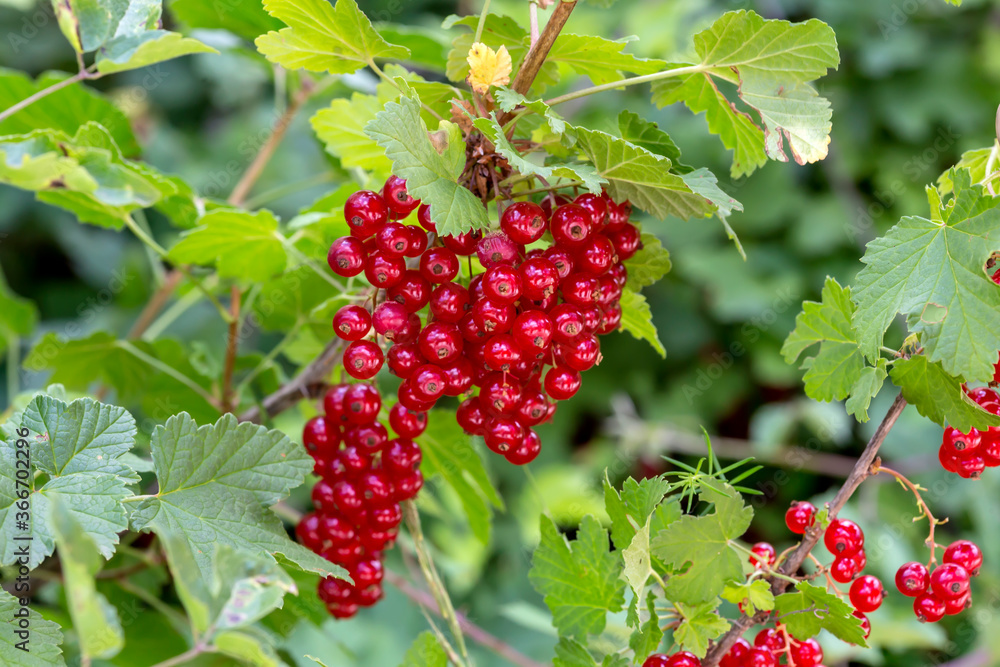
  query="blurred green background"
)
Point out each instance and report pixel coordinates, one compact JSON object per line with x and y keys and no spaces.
{"x":917,"y":86}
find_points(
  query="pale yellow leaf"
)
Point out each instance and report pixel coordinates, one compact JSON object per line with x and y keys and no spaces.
{"x":488,"y":67}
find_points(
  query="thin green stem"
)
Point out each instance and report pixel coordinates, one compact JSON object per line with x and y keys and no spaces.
{"x":632,"y":81}
{"x":153,"y":362}
{"x":288,"y":189}
{"x":269,"y":359}
{"x":176,"y":618}
{"x":45,"y":92}
{"x":154,"y":261}
{"x":162,"y":252}
{"x":13,"y":367}
{"x":482,"y":21}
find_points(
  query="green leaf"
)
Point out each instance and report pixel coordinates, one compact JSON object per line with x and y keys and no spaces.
{"x":293,"y":297}
{"x":78,"y":447}
{"x":633,"y":507}
{"x":508,"y":100}
{"x":585,"y":173}
{"x":700,"y":625}
{"x":426,"y":45}
{"x":341,"y":128}
{"x":88,"y":24}
{"x":570,"y":653}
{"x":431,"y":174}
{"x":704,"y":542}
{"x":425,"y":652}
{"x":642,"y":177}
{"x":771,"y":62}
{"x":753,"y":595}
{"x":245,"y":18}
{"x":147,"y":48}
{"x":647,"y":134}
{"x":249,"y":647}
{"x":18,"y":316}
{"x":638,"y":561}
{"x":812,"y":609}
{"x":867,"y":386}
{"x":600,"y":59}
{"x":637,"y":319}
{"x":95,"y":620}
{"x":66,"y":110}
{"x":933,"y":272}
{"x":838,"y":363}
{"x":975,"y":161}
{"x":448,"y":452}
{"x":581,"y":583}
{"x":39,"y":645}
{"x":939,"y":396}
{"x":239,"y":243}
{"x":649,"y":265}
{"x":216,"y":483}
{"x":337,"y":39}
{"x":647,"y":638}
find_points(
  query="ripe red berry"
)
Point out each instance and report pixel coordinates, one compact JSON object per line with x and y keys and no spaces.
{"x":363,"y":359}
{"x":502,"y":284}
{"x":441,"y":343}
{"x":596,"y":255}
{"x":362,"y":403}
{"x":497,"y":249}
{"x":401,"y":456}
{"x":683,"y":659}
{"x":389,"y":319}
{"x":417,"y":241}
{"x":352,"y":461}
{"x":771,"y":639}
{"x":428,"y":383}
{"x":412,"y":291}
{"x":352,"y":323}
{"x":867,"y":593}
{"x":949,"y":581}
{"x":532,"y":332}
{"x":424,"y":218}
{"x":393,"y":239}
{"x":961,"y":443}
{"x":760,"y":657}
{"x":399,"y":201}
{"x":843,"y":537}
{"x":580,"y":289}
{"x":524,"y":222}
{"x":845,"y":568}
{"x":807,"y":653}
{"x":562,"y":383}
{"x":971,"y":466}
{"x":335,"y":530}
{"x":366,"y":572}
{"x":737,"y":654}
{"x":367,"y":437}
{"x":382,"y":270}
{"x":928,"y":608}
{"x":409,"y":485}
{"x":503,"y":434}
{"x":597,"y":206}
{"x":462,"y":244}
{"x":501,"y":352}
{"x":527,"y":451}
{"x":439,"y":265}
{"x":347,"y":256}
{"x":763,"y":554}
{"x":449,"y":302}
{"x":493,"y":318}
{"x":307,"y":531}
{"x":618,"y":214}
{"x":965,"y":553}
{"x":627,"y":242}
{"x":562,"y":259}
{"x":404,"y":358}
{"x":375,"y":487}
{"x":365,"y":212}
{"x":912,"y":579}
{"x":568,"y":322}
{"x":500,"y":393}
{"x":582,"y":354}
{"x":570,"y":225}
{"x":958,"y":605}
{"x":406,"y":423}
{"x":318,"y":439}
{"x":539,"y":278}
{"x":656,"y":660}
{"x":471,"y":416}
{"x":800,"y":517}
{"x":533,"y":409}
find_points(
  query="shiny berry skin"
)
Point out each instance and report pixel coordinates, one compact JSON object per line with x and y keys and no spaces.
{"x":348,"y":499}
{"x":961,"y":443}
{"x":580,"y":289}
{"x":412,"y":291}
{"x":352,"y":323}
{"x":800,"y":516}
{"x":759,"y":656}
{"x":562,"y":383}
{"x":333,"y":528}
{"x":570,"y":225}
{"x":365,"y":212}
{"x":503,"y":434}
{"x":366,"y":572}
{"x":618,"y":214}
{"x":362,"y":403}
{"x":462,"y":244}
{"x":471,"y":416}
{"x":428,"y":383}
{"x":539,"y":278}
{"x":439,"y":265}
{"x":532,"y":332}
{"x":866,"y":625}
{"x":322,"y":497}
{"x":627,"y":242}
{"x":342,"y":610}
{"x":966,"y":554}
{"x":845,"y":568}
{"x":501,"y":352}
{"x":949,"y":581}
{"x":611,"y":319}
{"x":375,"y":487}
{"x":393,"y":239}
{"x":596,"y":255}
{"x":533,"y":409}
{"x":596,"y":206}
{"x":958,"y":605}
{"x":929,"y":609}
{"x":807,"y":653}
{"x":683,"y":659}
{"x":527,"y":451}
{"x":368,"y":597}
{"x":949,"y":459}
{"x":363,"y":359}
{"x":500,"y":393}
{"x":307,"y":531}
{"x":763,"y":554}
{"x":449,"y":302}
{"x":912,"y":579}
{"x":409,"y":485}
{"x":389,"y":319}
{"x":771,"y":639}
{"x":971,"y":466}
{"x":347,"y":257}
{"x":458,"y":377}
{"x":471,"y":331}
{"x":404,"y":358}
{"x":418,"y":241}
{"x":441,"y":343}
{"x":843,"y":537}
{"x":524,"y":222}
{"x":316,"y":437}
{"x":737,"y":655}
{"x":352,"y":460}
{"x":424,"y":218}
{"x":493,"y":318}
{"x":656,"y":660}
{"x":562,"y":259}
{"x":384,"y":271}
{"x":867,"y":593}
{"x":367,"y":437}
{"x":399,"y":201}
{"x":497,"y":249}
{"x":567,"y":322}
{"x":502,"y":284}
{"x":406,"y":423}
{"x":401,"y":456}
{"x":582,"y":354}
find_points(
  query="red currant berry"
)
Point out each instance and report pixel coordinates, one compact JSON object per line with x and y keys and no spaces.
{"x":390,"y":318}
{"x":347,"y":257}
{"x":417,"y":241}
{"x":401,"y":456}
{"x":471,"y":331}
{"x":965,"y":553}
{"x":363,"y":359}
{"x":458,"y":377}
{"x":352,"y":460}
{"x":763,"y":554}
{"x":409,"y":485}
{"x":532,"y":332}
{"x":307,"y":531}
{"x":319,"y":439}
{"x":404,"y":358}
{"x":367,"y":437}
{"x":656,"y":660}
{"x":493,"y":318}
{"x":366,"y":572}
{"x":348,"y":499}
{"x":503,"y":434}
{"x":800,"y":517}
{"x":844,"y":568}
{"x":562,"y":383}
{"x":843,"y":537}
{"x":352,"y":323}
{"x":580,"y":289}
{"x":627,"y":242}
{"x":596,"y":255}
{"x":393,"y":239}
{"x":441,"y":343}
{"x":424,"y":218}
{"x":867,"y":593}
{"x":949,"y":581}
{"x":462,"y":244}
{"x":527,"y":451}
{"x":384,"y":271}
{"x":570,"y":225}
{"x":322,"y":497}
{"x":375,"y":487}
{"x":807,"y":653}
{"x":497,"y":249}
{"x":502,"y":284}
{"x":961,"y":443}
{"x":533,"y":410}
{"x":971,"y":466}
{"x":760,"y":657}
{"x":737,"y":655}
{"x":439,"y":265}
{"x":539,"y":278}
{"x":524,"y":222}
{"x":332,"y":590}
{"x":399,"y":201}
{"x":912,"y":579}
{"x":958,"y":605}
{"x":928,"y":608}
{"x":385,"y":517}
{"x":365,"y":212}
{"x":412,"y":291}
{"x":501,"y":352}
{"x":428,"y":383}
{"x":618,"y":214}
{"x":501,"y":393}
{"x":362,"y":403}
{"x":771,"y":639}
{"x":683,"y":659}
{"x":471,"y":416}
{"x":449,"y":302}
{"x":342,"y":610}
{"x":568,"y":322}
{"x":368,"y":597}
{"x":335,"y":530}
{"x":596,"y":206}
{"x":562,"y":259}
{"x":582,"y":354}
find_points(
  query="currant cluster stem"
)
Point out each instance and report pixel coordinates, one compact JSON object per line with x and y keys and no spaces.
{"x":925,"y":511}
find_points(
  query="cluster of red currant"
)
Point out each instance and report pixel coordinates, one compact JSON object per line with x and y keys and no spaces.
{"x":945,"y":591}
{"x":968,"y":454}
{"x":492,"y":339}
{"x":364,"y":475}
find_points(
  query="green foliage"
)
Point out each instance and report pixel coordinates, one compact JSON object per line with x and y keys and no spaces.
{"x":646,"y":639}
{"x":649,"y":265}
{"x":425,"y":652}
{"x":240,"y":244}
{"x":44,"y":649}
{"x":753,"y":595}
{"x":637,"y":319}
{"x":245,"y":18}
{"x":939,"y":396}
{"x":813,"y":608}
{"x":700,"y":625}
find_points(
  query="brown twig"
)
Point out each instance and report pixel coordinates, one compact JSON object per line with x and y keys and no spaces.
{"x":231,"y":346}
{"x":862,"y":469}
{"x":474,"y":632}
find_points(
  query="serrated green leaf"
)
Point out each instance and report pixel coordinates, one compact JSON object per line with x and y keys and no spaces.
{"x":431,"y":175}
{"x":571,"y":653}
{"x":826,"y":611}
{"x":508,"y":100}
{"x":934,"y":274}
{"x":581,"y":583}
{"x":637,"y":319}
{"x":699,"y":625}
{"x":425,"y":652}
{"x":704,"y":542}
{"x":448,"y":452}
{"x":939,"y":396}
{"x":598,"y":58}
{"x":649,"y":265}
{"x":245,"y":18}
{"x":40,"y":646}
{"x":642,"y":177}
{"x":66,"y":110}
{"x":867,"y":386}
{"x":633,"y":507}
{"x":130,"y":52}
{"x":216,"y":483}
{"x":239,"y":244}
{"x":753,"y":595}
{"x":646,"y":639}
{"x":89,"y":24}
{"x":647,"y":134}
{"x":975,"y":161}
{"x":838,"y":364}
{"x":638,"y":561}
{"x":341,"y":128}
{"x":338,"y":39}
{"x":95,"y":620}
{"x":580,"y":172}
